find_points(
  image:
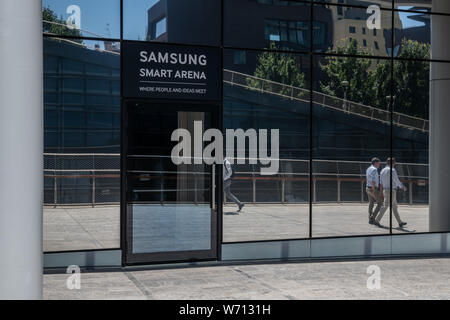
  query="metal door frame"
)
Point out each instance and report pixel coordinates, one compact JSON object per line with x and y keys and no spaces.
{"x":128,"y":258}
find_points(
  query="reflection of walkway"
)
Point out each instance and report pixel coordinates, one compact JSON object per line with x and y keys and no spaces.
{"x":94,"y":228}
{"x":75,"y":228}
{"x":235,"y":78}
{"x":264,"y":222}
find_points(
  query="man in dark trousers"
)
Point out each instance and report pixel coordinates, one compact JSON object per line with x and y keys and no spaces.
{"x":227,"y":175}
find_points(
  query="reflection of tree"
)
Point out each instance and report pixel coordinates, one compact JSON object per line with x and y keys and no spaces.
{"x":350,"y":69}
{"x":369,"y":78}
{"x":58,"y":26}
{"x":412,"y":79}
{"x":277,"y":67}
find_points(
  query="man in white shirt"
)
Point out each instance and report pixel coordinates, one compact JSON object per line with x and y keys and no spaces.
{"x":372,"y":189}
{"x":227,"y":175}
{"x":385,"y":186}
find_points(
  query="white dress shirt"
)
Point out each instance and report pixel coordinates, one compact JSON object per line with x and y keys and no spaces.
{"x":227,"y":171}
{"x":372,"y":175}
{"x":386,"y":179}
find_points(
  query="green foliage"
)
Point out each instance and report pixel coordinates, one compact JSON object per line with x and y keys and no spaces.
{"x":355,"y":71}
{"x":369,"y":78}
{"x":278,"y":67}
{"x":412,"y":86}
{"x":59,"y":26}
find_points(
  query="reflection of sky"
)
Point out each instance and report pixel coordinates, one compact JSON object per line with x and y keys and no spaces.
{"x":135,"y":18}
{"x":96,"y":14}
{"x":408,"y":23}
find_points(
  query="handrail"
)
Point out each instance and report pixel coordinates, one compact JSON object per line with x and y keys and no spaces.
{"x":86,"y":170}
{"x":319,"y":98}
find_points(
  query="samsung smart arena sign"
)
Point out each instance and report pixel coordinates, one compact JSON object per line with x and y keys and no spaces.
{"x":170,"y":72}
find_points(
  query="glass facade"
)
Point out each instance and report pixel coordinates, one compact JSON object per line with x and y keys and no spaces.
{"x":342,"y":84}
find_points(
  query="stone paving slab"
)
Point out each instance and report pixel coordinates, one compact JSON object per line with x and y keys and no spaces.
{"x":75,"y":228}
{"x":400,"y":279}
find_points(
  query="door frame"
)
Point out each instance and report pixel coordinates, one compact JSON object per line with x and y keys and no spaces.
{"x":214,"y":254}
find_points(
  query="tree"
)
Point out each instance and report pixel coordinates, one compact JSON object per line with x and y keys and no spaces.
{"x":369,"y":78}
{"x":412,"y":85}
{"x":355,"y":71}
{"x":278,"y":67}
{"x":54,"y":25}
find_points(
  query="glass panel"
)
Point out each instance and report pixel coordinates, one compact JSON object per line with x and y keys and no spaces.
{"x":270,"y":91}
{"x":100,"y":18}
{"x":176,"y":21}
{"x":81,"y":159}
{"x":417,"y":5}
{"x":169,"y":204}
{"x":271,"y":24}
{"x":361,"y":3}
{"x":351,"y":127}
{"x":411,"y":140}
{"x":338,"y":30}
{"x":414,"y":30}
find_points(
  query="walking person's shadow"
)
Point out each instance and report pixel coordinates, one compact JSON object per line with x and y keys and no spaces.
{"x":231,"y":213}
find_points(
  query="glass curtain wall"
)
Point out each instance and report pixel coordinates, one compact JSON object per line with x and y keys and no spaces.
{"x":366,"y":67}
{"x":81,"y":124}
{"x":343,"y":82}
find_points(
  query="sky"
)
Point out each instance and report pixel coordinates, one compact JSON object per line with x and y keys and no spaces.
{"x":95,"y":14}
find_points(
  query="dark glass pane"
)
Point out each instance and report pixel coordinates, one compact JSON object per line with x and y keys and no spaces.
{"x":176,"y":21}
{"x":337,"y":30}
{"x":99,"y":18}
{"x":412,"y":107}
{"x":81,"y":143}
{"x":270,"y":91}
{"x":361,"y":3}
{"x":351,"y":126}
{"x":272,"y":24}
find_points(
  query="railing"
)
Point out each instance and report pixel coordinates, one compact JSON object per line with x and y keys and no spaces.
{"x":250,"y":82}
{"x":92,"y":179}
{"x":69,"y":177}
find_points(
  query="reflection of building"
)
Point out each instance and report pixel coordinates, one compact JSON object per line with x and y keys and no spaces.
{"x":420,"y":33}
{"x":285,"y":23}
{"x":351,"y":24}
{"x":177,"y":21}
{"x":82,"y":98}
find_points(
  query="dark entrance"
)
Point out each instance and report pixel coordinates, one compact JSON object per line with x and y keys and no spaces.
{"x":169,"y":210}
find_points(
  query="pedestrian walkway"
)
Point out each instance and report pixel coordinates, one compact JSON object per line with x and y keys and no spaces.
{"x":399,"y":279}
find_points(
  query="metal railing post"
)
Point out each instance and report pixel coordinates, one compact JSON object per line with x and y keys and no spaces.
{"x":254,"y":190}
{"x":314,"y":190}
{"x":195,"y":186}
{"x":55,"y":190}
{"x":338,"y":190}
{"x":93,"y":189}
{"x":362,"y":191}
{"x":283,"y":185}
{"x":410,"y":185}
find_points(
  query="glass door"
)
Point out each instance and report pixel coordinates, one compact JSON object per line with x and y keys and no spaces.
{"x":170,"y":194}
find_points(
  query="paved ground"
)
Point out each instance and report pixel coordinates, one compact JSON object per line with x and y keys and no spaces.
{"x":75,"y":228}
{"x":400,"y":279}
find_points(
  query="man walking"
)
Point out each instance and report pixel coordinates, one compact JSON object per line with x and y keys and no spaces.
{"x":227,"y":175}
{"x":372,"y":189}
{"x":385,"y":186}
